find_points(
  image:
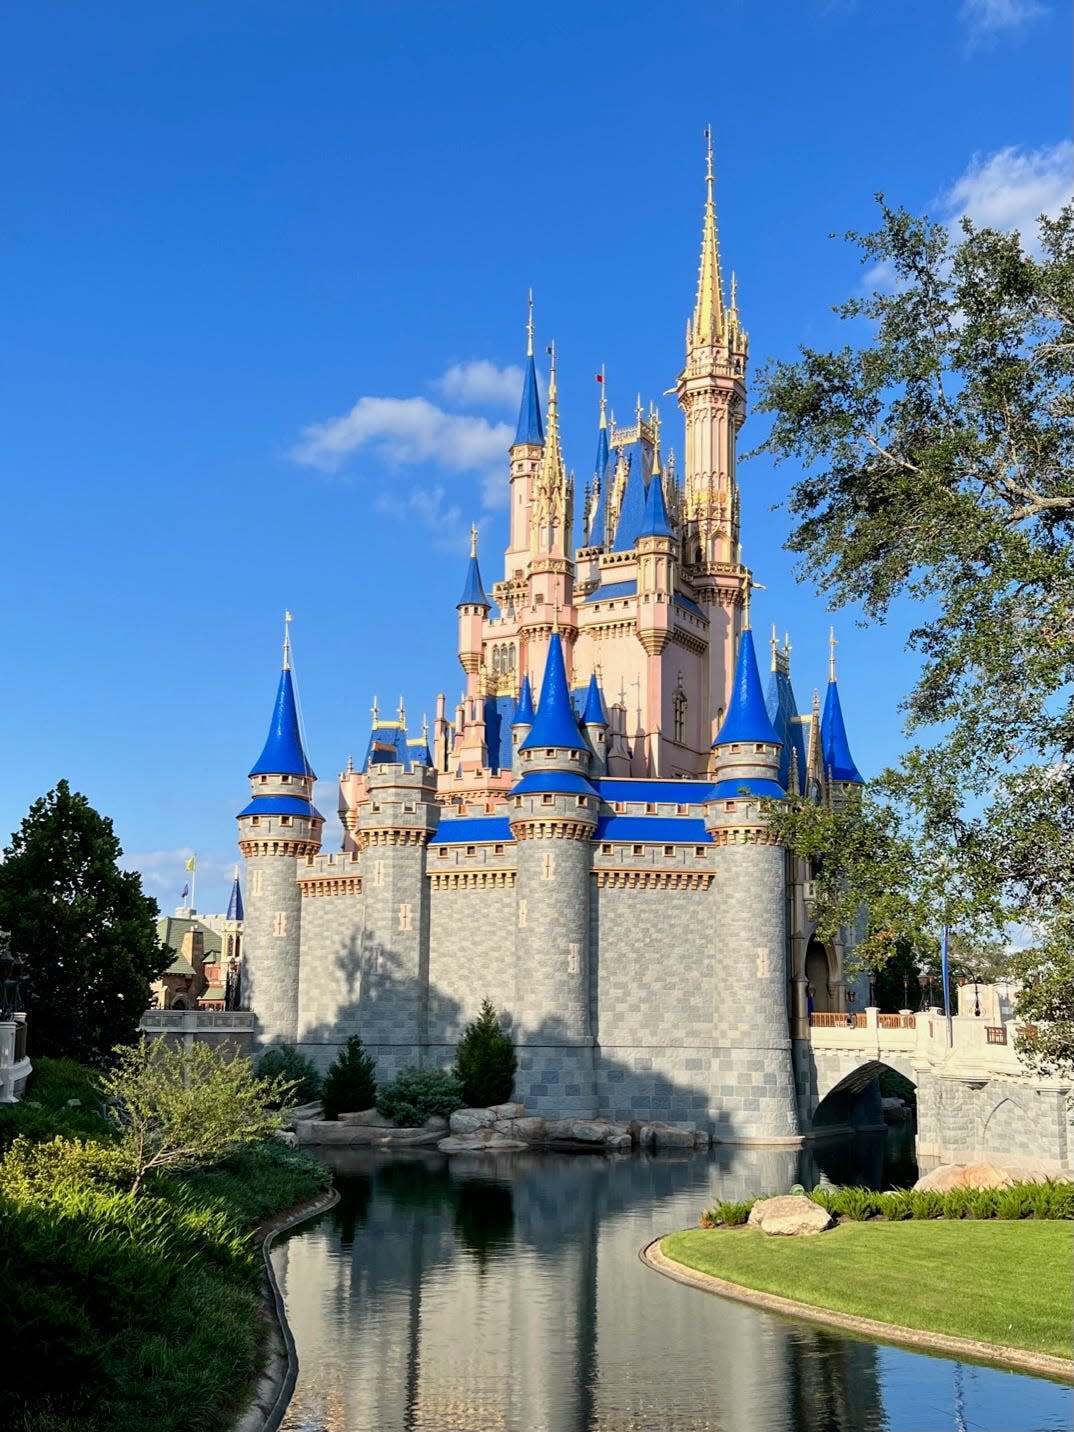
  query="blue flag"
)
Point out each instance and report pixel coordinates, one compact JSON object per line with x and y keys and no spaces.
{"x":185,"y":892}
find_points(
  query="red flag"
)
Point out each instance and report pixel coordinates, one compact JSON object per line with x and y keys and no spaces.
{"x":600,"y":377}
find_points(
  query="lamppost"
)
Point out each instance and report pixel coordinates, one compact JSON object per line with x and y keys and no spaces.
{"x":976,"y":998}
{"x":10,"y":974}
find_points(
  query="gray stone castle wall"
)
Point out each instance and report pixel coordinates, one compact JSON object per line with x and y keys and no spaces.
{"x":393,"y":945}
{"x":330,"y":987}
{"x":471,"y":956}
{"x":270,"y":982}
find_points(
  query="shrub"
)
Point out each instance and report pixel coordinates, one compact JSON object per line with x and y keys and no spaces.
{"x":1027,"y":1200}
{"x":485,"y":1061}
{"x":283,"y":1061}
{"x":351,"y":1082}
{"x":420,"y":1094}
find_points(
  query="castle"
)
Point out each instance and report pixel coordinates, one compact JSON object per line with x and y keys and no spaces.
{"x":581,"y":841}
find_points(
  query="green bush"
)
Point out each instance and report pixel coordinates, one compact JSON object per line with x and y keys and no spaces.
{"x":62,"y":1098}
{"x":1051,"y":1199}
{"x":350,"y":1085}
{"x":485,"y":1061}
{"x":285,"y":1061}
{"x":420,"y":1094}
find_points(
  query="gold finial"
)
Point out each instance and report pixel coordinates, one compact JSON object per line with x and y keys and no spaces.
{"x":638,"y":412}
{"x":774,"y":643}
{"x":555,"y":617}
{"x":654,"y":420}
{"x":425,"y":728}
{"x":473,"y":539}
{"x":603,"y":400}
{"x":375,"y":708}
{"x":234,"y":872}
{"x":746,"y":603}
{"x":707,"y":324}
{"x":734,"y":292}
{"x":832,"y":644}
{"x":529,"y":327}
{"x":401,"y":713}
{"x":350,"y":766}
{"x":287,"y":620}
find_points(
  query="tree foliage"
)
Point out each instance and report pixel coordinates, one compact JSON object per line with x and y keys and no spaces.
{"x":937,"y":451}
{"x":485,"y":1061}
{"x":350,"y":1086}
{"x":415,"y":1095}
{"x":185,"y":1108}
{"x":286,"y":1062}
{"x":83,"y":927}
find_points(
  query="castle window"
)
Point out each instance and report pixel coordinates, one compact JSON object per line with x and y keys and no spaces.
{"x":678,"y":705}
{"x":728,"y":805}
{"x":669,"y":851}
{"x":255,"y":820}
{"x":650,"y":809}
{"x":518,"y":802}
{"x":510,"y":658}
{"x":495,"y":661}
{"x":264,"y":780}
{"x":699,"y":851}
{"x":639,"y":850}
{"x":550,"y":753}
{"x":279,"y":923}
{"x":681,"y":809}
{"x":548,"y":799}
{"x":442,"y":853}
{"x":497,"y":850}
{"x":408,"y":807}
{"x":471,"y":850}
{"x":285,"y":820}
{"x":285,"y":780}
{"x":605,"y":850}
{"x":582,"y":801}
{"x":619,"y":807}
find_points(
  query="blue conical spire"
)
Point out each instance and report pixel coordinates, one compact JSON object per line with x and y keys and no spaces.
{"x":530,"y":427}
{"x":655,"y":521}
{"x":747,"y":717}
{"x":554,"y":724}
{"x":593,"y":715}
{"x":234,"y":904}
{"x":835,"y":748}
{"x":595,"y":537}
{"x":524,"y":709}
{"x":283,"y":754}
{"x":632,"y":511}
{"x":473,"y":591}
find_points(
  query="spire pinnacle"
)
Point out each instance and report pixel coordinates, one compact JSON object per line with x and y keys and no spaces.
{"x":287,"y":620}
{"x":530,"y":428}
{"x":529,"y":327}
{"x":708,"y":320}
{"x":774,"y":646}
{"x":603,"y":400}
{"x":473,"y":539}
{"x":832,"y":644}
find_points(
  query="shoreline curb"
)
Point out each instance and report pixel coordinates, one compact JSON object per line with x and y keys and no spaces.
{"x":1015,"y":1359}
{"x":279,"y":1369}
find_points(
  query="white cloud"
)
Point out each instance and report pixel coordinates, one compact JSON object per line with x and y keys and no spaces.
{"x":405,"y":431}
{"x":1012,"y":188}
{"x":326,"y":800}
{"x":164,"y":873}
{"x":987,"y":19}
{"x":479,"y":384}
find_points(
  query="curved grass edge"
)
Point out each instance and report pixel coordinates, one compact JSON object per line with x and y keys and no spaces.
{"x":275,"y":1386}
{"x":1018,"y":1359}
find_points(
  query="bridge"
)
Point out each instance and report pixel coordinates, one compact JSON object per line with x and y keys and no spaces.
{"x":975,"y":1099}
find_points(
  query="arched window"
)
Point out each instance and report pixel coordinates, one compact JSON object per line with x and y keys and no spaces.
{"x":678,"y":705}
{"x":510,"y":658}
{"x":495,"y":661}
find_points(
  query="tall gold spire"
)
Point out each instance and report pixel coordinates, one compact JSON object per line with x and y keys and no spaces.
{"x":708,"y":320}
{"x":553,"y":457}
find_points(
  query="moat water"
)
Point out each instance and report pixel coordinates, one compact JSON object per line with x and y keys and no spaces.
{"x":507,"y":1293}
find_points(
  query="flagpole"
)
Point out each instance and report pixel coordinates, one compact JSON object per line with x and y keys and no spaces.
{"x":194,"y":883}
{"x":945,"y":972}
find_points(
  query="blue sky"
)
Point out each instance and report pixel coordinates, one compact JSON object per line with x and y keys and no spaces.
{"x":264,"y":270}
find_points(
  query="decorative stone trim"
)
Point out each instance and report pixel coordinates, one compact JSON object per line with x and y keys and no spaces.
{"x":332,"y":885}
{"x":279,"y":847}
{"x":552,"y":829}
{"x":744,"y":835}
{"x":689,"y":640}
{"x":389,"y":836}
{"x":626,"y":879}
{"x":471,"y":879}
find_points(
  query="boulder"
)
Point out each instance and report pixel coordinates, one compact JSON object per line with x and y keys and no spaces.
{"x":656,"y":1135}
{"x":466,"y":1121}
{"x":531,"y":1130}
{"x":702,"y":1140}
{"x":507,"y":1111}
{"x":789,"y":1215}
{"x":480,"y":1141}
{"x":435,"y":1124}
{"x":366,"y":1119}
{"x":577,"y":1131}
{"x":978,"y":1175}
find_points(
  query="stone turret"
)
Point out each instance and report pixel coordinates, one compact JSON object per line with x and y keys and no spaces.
{"x":840,"y":772}
{"x":278,"y":828}
{"x":759,"y":1106}
{"x":523,"y":721}
{"x":596,"y":727}
{"x":553,"y":813}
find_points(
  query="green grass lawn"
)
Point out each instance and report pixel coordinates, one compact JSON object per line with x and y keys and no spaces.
{"x":997,"y":1282}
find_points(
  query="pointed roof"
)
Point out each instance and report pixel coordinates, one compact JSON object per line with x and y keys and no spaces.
{"x":655,"y":521}
{"x":838,"y":762}
{"x":707,"y":323}
{"x":283,"y":753}
{"x":530,"y":427}
{"x":595,"y":536}
{"x":473,"y":592}
{"x":593,"y":715}
{"x":632,"y":510}
{"x":747,"y":717}
{"x":524,"y":709}
{"x":555,"y":724}
{"x":553,"y":470}
{"x":234,"y":904}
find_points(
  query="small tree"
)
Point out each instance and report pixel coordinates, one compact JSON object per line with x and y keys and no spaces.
{"x":485,"y":1061}
{"x":351,"y":1082}
{"x":184,"y":1108}
{"x":284,"y":1061}
{"x":416,"y":1095}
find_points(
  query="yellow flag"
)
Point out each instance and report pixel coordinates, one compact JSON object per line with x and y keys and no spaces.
{"x":192,"y":862}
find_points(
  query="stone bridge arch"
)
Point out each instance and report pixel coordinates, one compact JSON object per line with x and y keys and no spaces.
{"x":838,"y":1089}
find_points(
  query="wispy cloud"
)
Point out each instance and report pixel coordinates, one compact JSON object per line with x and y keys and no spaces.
{"x":480,"y":384}
{"x":404,"y":431}
{"x":164,"y":872}
{"x":987,"y":20}
{"x":434,"y":510}
{"x":1012,"y":188}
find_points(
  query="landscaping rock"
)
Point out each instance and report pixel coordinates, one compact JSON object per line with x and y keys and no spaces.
{"x":790,"y":1215}
{"x":507,"y":1111}
{"x":366,"y":1118}
{"x":466,"y":1121}
{"x":485,"y":1140}
{"x":653,"y":1134}
{"x":702,"y":1140}
{"x":532,"y":1129}
{"x":978,"y":1175}
{"x":435,"y":1124}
